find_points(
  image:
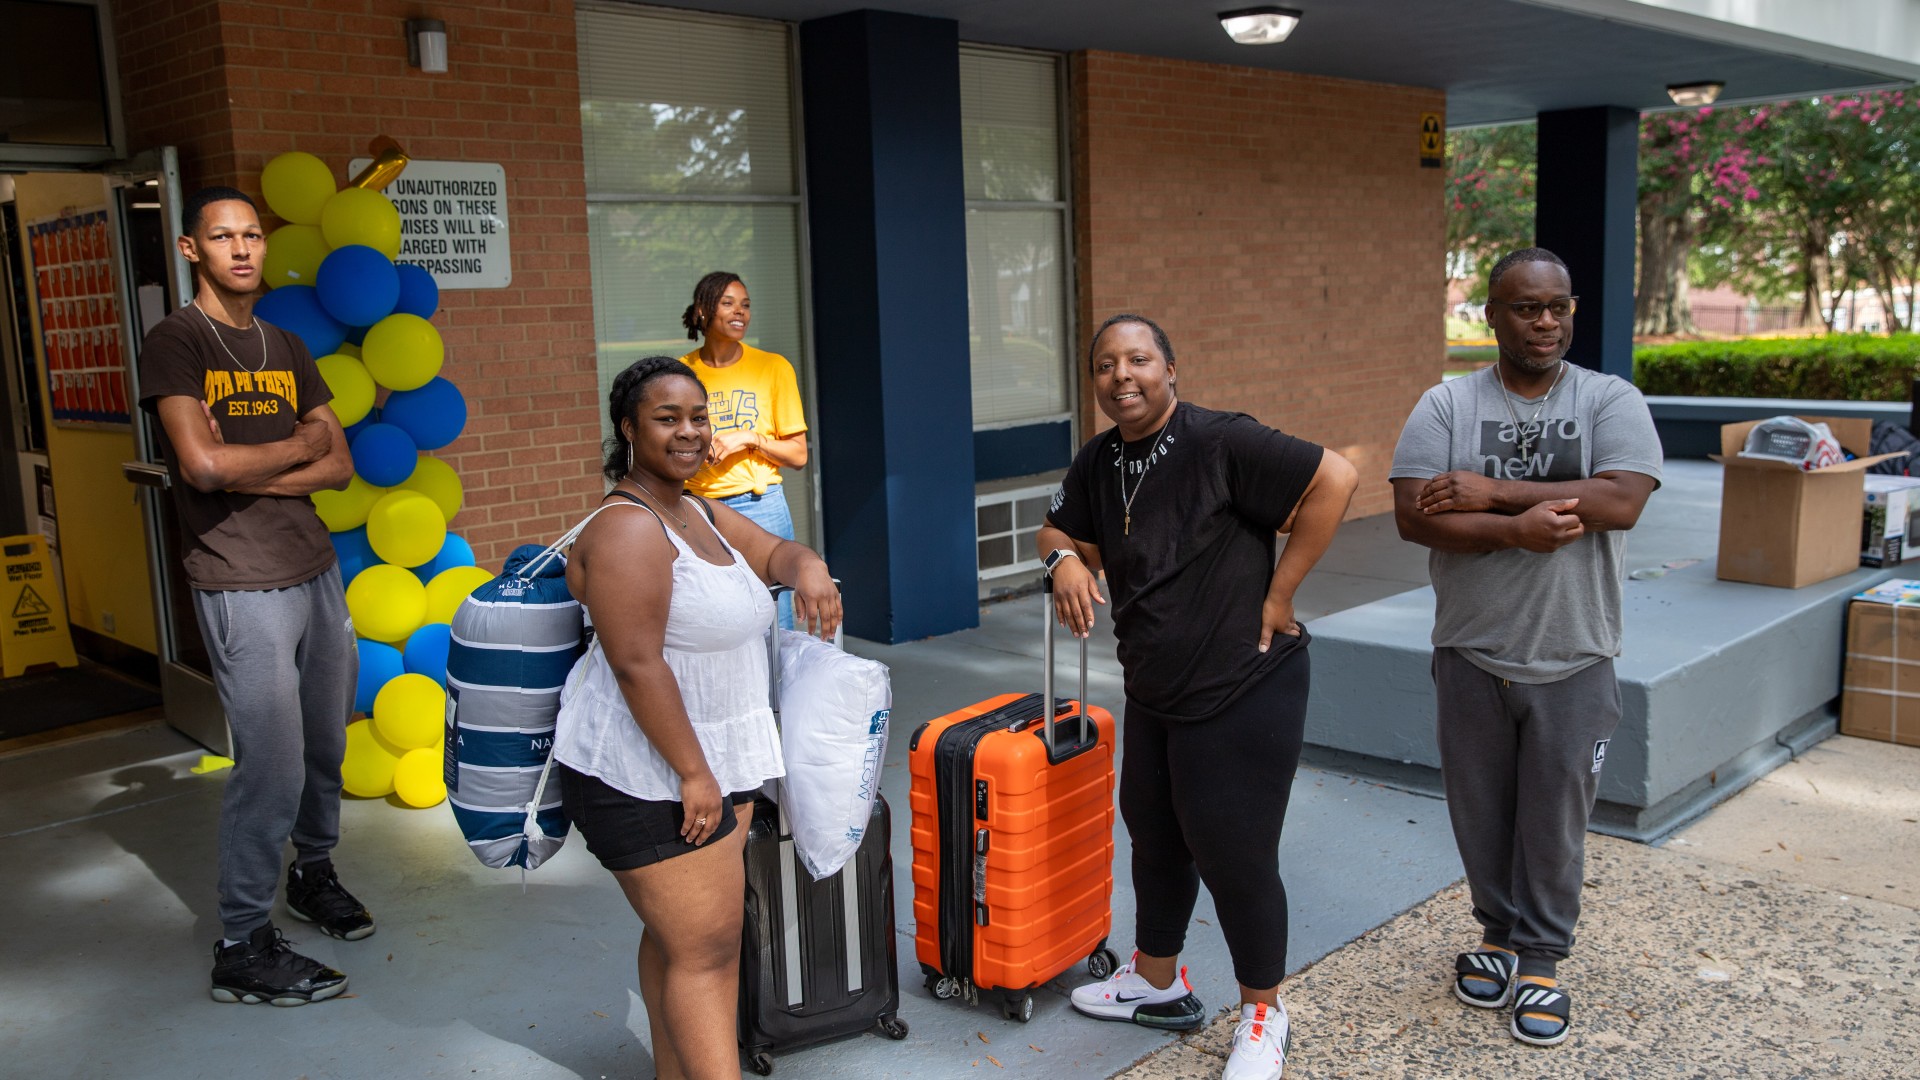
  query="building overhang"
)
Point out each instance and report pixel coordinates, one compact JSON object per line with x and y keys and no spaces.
{"x":1497,"y":60}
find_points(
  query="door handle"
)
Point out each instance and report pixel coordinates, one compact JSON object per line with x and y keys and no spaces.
{"x":147,"y":474}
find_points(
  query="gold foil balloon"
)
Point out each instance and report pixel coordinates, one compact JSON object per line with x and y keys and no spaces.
{"x":389,"y":161}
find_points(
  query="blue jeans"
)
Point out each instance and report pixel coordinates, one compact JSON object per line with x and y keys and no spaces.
{"x":770,"y":512}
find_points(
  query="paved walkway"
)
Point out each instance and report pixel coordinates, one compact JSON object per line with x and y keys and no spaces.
{"x":1776,"y":937}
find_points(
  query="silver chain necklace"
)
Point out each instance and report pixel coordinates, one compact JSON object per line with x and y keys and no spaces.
{"x":1520,"y":438}
{"x":215,"y":331}
{"x":1126,"y":500}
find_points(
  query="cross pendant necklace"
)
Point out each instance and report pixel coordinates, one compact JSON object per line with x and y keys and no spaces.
{"x":1126,"y":500}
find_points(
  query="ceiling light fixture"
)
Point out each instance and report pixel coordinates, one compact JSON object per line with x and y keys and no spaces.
{"x":1260,"y":25}
{"x":1695,"y":94}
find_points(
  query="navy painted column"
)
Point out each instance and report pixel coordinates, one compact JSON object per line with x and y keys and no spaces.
{"x":886,"y":217}
{"x":1588,"y":198}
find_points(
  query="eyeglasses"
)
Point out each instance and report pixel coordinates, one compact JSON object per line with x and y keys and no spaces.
{"x":1529,"y":310}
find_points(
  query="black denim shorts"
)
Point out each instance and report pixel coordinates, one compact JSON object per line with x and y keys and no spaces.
{"x":626,"y":833}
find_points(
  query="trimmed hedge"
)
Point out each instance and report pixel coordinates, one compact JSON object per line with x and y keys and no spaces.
{"x":1837,"y":367}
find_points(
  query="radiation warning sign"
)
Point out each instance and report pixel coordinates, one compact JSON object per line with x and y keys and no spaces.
{"x":1433,"y":140}
{"x":33,"y":630}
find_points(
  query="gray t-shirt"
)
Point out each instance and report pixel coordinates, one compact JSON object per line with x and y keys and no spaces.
{"x":1523,"y":615}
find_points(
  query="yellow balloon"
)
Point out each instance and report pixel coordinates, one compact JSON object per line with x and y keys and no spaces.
{"x":437,"y":481}
{"x":450,"y":587}
{"x":352,"y":388}
{"x":358,"y":216}
{"x":368,"y":768}
{"x":293,"y":255}
{"x":420,"y":778}
{"x":297,"y":187}
{"x":348,"y":348}
{"x":403,"y":352}
{"x":343,"y":510}
{"x":411,"y":711}
{"x":406,"y":528}
{"x":387,"y":603}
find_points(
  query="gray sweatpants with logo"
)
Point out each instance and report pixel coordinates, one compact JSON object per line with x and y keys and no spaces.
{"x":1521,"y":765}
{"x":286,"y":666}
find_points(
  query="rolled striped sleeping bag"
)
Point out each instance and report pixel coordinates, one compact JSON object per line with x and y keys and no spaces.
{"x":514,"y":641}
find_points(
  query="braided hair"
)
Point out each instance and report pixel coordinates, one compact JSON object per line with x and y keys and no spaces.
{"x":706,"y":297}
{"x":1159,"y":336}
{"x":623,"y":400}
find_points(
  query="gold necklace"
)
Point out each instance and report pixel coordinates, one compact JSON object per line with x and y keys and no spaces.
{"x":1126,"y":500}
{"x":677,"y":519}
{"x":223,"y":341}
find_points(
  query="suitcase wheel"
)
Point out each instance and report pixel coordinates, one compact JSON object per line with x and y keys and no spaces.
{"x":1017,"y":1007}
{"x":761,"y":1064}
{"x":893,"y":1027}
{"x":1103,"y":963}
{"x":943,"y":986}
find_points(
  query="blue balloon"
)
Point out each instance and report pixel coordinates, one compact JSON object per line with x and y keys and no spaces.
{"x":354,"y":553}
{"x":427,"y":652}
{"x":419,"y":293}
{"x":297,"y":309}
{"x":433,"y":414}
{"x":357,"y":335}
{"x":379,"y":664}
{"x":383,"y":455}
{"x":357,"y":285}
{"x":353,"y":432}
{"x":453,"y":552}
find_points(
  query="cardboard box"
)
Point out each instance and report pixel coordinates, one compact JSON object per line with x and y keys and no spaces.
{"x":1880,"y":698}
{"x":1786,"y":526}
{"x":1890,"y":527}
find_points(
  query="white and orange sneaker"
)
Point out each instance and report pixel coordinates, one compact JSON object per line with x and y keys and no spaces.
{"x":1126,"y":995}
{"x":1260,"y":1043}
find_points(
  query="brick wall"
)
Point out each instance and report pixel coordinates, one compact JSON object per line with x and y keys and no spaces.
{"x":234,"y":83}
{"x":1280,"y":228}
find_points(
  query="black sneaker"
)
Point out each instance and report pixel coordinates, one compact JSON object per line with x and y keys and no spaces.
{"x":265,"y":968}
{"x":315,"y":895}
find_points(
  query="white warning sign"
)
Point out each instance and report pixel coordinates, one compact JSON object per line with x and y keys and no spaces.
{"x":453,"y":221}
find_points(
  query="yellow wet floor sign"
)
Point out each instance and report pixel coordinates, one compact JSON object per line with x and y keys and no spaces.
{"x":33,"y":619}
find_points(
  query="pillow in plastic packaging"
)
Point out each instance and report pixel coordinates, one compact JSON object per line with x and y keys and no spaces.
{"x":1793,"y":440}
{"x":834,"y":709}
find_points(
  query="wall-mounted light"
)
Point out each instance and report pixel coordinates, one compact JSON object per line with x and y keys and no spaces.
{"x":1695,"y":94}
{"x":1260,"y":25}
{"x":427,"y":45}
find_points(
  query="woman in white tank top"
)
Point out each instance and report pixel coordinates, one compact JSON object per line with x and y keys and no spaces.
{"x":664,"y":731}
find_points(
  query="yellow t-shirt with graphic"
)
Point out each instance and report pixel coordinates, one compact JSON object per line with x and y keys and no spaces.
{"x":757,"y":392}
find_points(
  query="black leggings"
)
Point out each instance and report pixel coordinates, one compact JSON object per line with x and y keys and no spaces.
{"x":1206,"y":802}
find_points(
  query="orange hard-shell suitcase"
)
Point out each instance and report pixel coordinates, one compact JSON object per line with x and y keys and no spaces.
{"x":1013,"y":842}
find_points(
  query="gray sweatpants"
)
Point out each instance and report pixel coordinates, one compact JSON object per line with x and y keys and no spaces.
{"x":286,"y":666}
{"x":1521,"y":764}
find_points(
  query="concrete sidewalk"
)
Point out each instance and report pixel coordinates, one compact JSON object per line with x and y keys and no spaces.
{"x":1776,"y":937}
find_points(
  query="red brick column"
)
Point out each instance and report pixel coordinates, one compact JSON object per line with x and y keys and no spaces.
{"x":234,"y":82}
{"x":1280,"y":228}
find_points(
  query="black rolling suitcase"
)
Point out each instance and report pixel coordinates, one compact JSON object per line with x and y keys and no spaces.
{"x":819,"y":958}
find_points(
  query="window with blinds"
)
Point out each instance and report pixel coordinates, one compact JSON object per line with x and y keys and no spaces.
{"x":689,"y":133}
{"x":1016,"y":236}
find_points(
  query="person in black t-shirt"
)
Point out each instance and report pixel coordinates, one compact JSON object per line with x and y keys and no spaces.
{"x":1180,"y":506}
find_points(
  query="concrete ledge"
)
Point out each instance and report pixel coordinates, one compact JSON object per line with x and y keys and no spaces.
{"x":1720,"y":683}
{"x":1689,"y":427}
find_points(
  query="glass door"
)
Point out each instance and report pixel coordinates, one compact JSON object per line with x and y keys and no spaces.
{"x":155,"y":281}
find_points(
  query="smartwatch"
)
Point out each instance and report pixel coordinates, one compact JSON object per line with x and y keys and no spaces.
{"x":1054,"y":557}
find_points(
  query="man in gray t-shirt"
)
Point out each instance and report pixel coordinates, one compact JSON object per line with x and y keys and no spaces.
{"x":1522,"y":479}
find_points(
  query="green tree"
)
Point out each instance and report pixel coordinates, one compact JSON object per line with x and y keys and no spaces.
{"x":1490,"y":200}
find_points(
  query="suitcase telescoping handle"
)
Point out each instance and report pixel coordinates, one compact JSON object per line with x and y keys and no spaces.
{"x":1046,"y":681}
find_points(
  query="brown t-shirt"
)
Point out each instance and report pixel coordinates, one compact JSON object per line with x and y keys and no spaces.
{"x":233,"y":541}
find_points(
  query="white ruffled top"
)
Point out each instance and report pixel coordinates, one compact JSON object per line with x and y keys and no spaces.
{"x":716,"y":648}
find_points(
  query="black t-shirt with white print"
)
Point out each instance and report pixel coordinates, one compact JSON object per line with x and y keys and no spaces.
{"x":1189,"y":573}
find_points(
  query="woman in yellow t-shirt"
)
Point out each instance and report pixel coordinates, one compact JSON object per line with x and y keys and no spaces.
{"x":753,"y":403}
